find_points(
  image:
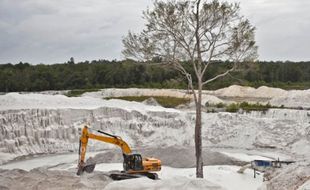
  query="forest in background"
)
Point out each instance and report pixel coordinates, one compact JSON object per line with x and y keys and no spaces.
{"x":127,"y":73}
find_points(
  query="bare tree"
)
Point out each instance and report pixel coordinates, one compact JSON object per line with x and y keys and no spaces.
{"x":196,"y":33}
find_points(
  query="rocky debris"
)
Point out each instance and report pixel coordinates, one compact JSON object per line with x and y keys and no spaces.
{"x":292,"y":176}
{"x":41,"y":178}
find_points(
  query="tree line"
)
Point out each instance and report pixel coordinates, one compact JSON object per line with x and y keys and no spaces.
{"x":127,"y":73}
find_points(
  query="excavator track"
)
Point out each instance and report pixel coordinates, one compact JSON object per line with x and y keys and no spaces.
{"x":122,"y":175}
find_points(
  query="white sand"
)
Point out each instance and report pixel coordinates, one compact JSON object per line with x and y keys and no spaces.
{"x":216,"y":177}
{"x":14,"y":101}
{"x":244,"y":91}
{"x":90,"y":100}
{"x":286,"y":130}
{"x":275,"y":96}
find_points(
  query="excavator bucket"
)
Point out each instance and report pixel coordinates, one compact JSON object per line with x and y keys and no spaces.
{"x":87,"y":168}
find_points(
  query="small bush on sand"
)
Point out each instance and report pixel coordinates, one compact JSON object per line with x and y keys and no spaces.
{"x":248,"y":107}
{"x":220,"y":105}
{"x":232,"y":107}
{"x":79,"y":92}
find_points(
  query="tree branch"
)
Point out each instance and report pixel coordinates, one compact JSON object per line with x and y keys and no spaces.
{"x":218,"y":76}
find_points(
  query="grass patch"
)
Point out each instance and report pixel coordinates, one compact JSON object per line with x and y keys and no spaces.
{"x":248,"y":107}
{"x":220,"y":105}
{"x":79,"y":92}
{"x":232,"y":107}
{"x":165,"y":101}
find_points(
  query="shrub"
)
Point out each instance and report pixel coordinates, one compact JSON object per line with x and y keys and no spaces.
{"x":248,"y":107}
{"x":232,"y":107}
{"x":75,"y":93}
{"x":220,"y":105}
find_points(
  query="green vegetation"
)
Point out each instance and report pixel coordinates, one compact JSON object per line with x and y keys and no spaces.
{"x":124,"y":74}
{"x":234,"y":107}
{"x":165,"y":101}
{"x":75,"y":93}
{"x":220,"y":105}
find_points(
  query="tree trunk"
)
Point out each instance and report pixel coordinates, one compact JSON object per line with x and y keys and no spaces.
{"x":198,"y":141}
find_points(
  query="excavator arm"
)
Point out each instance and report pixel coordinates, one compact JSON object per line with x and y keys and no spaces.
{"x":108,"y":139}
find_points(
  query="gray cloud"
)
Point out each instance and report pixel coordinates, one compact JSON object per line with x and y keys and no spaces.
{"x":282,"y":27}
{"x":51,"y":31}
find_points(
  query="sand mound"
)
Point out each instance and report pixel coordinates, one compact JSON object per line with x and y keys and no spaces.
{"x":114,"y":92}
{"x":173,"y":157}
{"x":275,"y":96}
{"x":244,"y":91}
{"x":151,"y":101}
{"x":41,"y":178}
{"x":293,"y":98}
{"x":185,"y":157}
{"x":207,"y":99}
{"x":210,"y":100}
{"x":269,"y":92}
{"x":13,"y":101}
{"x":179,"y":183}
{"x":235,"y":91}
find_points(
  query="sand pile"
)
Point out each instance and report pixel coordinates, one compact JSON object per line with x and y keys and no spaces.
{"x":151,"y":101}
{"x":244,"y":91}
{"x":114,"y":92}
{"x":27,"y":101}
{"x":210,"y":99}
{"x":13,"y":101}
{"x":41,"y":178}
{"x":263,"y":94}
{"x":180,"y":183}
{"x":91,"y":100}
{"x":293,"y":98}
{"x":275,"y":96}
{"x":269,"y":92}
{"x":235,"y":91}
{"x":176,"y":157}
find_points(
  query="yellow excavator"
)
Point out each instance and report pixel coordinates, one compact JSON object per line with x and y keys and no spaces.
{"x":134,"y":165}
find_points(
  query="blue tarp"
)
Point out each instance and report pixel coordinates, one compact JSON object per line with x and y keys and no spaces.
{"x":262,"y":163}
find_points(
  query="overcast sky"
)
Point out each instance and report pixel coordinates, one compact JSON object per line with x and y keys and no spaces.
{"x":52,"y":31}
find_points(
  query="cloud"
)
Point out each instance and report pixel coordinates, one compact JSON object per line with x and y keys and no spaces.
{"x":282,"y":27}
{"x":52,"y":31}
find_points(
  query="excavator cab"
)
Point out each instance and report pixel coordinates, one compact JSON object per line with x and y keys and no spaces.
{"x":132,"y":162}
